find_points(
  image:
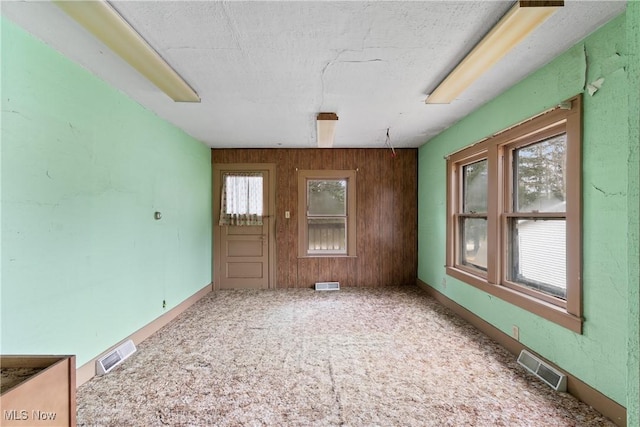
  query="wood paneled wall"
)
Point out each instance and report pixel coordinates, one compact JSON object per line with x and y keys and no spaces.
{"x":386,"y":214}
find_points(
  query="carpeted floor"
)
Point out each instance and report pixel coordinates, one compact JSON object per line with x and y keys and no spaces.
{"x":354,"y":357}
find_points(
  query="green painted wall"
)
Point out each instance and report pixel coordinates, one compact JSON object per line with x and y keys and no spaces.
{"x":84,"y":168}
{"x":599,"y":355}
{"x":633,"y":187}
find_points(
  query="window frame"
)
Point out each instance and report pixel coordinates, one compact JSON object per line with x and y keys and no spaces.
{"x":303,"y":236}
{"x":498,"y":150}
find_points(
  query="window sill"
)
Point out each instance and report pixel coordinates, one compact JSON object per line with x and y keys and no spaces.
{"x":540,"y":308}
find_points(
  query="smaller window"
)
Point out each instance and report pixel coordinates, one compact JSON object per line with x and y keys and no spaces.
{"x":473,"y":218}
{"x":327,"y":216}
{"x":327,"y":208}
{"x":241,"y":199}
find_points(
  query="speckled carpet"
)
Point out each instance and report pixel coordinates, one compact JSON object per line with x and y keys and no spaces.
{"x":354,"y":357}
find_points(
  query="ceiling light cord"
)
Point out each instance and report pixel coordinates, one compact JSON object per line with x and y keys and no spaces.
{"x":388,"y":144}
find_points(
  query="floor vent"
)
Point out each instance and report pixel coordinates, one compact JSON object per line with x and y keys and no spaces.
{"x":542,"y":370}
{"x":327,"y":286}
{"x":115,"y":357}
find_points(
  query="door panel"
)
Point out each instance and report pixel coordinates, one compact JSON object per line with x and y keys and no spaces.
{"x":244,"y":255}
{"x":239,"y":248}
{"x":245,"y":270}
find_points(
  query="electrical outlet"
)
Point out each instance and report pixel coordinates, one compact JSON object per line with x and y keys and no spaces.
{"x":164,"y":303}
{"x":444,"y":282}
{"x":515,"y":332}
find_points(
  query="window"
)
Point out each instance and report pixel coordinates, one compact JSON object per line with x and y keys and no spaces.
{"x":327,"y":206}
{"x":536,"y":218}
{"x":473,"y":218}
{"x":241,"y":199}
{"x":513,"y":227}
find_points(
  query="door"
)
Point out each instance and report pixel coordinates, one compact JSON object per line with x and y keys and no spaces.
{"x":244,"y":244}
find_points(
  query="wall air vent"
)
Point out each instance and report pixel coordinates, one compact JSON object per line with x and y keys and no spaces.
{"x":115,"y":357}
{"x":542,"y":370}
{"x":327,"y":286}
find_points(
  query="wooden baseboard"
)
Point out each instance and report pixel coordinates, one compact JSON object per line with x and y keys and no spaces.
{"x":88,"y":370}
{"x":601,"y":403}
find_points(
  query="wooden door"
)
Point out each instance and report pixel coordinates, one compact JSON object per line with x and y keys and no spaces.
{"x":244,"y":254}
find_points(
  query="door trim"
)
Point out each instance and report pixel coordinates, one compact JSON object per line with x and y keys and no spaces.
{"x":217,"y":168}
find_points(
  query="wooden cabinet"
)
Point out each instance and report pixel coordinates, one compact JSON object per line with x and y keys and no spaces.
{"x":38,"y":391}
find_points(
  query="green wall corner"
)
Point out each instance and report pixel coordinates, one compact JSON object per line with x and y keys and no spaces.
{"x":598,"y":356}
{"x":84,"y":168}
{"x":633,"y":187}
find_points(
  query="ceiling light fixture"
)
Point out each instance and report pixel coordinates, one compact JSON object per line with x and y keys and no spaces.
{"x":326,"y":129}
{"x":521,"y":20}
{"x":105,"y":23}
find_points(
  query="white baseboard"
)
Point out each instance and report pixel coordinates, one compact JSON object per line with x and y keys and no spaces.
{"x":87,"y":371}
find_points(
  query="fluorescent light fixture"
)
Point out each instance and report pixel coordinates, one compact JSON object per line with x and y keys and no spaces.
{"x":106,"y":24}
{"x":521,"y":20}
{"x":326,"y":129}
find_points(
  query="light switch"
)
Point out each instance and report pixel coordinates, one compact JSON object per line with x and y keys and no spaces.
{"x":287,"y":214}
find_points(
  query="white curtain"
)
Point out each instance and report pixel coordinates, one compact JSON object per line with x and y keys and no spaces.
{"x":241,"y":202}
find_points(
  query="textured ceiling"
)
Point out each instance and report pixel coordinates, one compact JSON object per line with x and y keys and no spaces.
{"x":265,"y":69}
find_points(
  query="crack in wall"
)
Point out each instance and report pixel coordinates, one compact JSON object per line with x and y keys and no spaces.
{"x":15,"y":112}
{"x":212,"y":49}
{"x":612,"y":64}
{"x":363,"y":61}
{"x":233,"y":30}
{"x":322,"y":75}
{"x":336,"y":59}
{"x":366,"y":37}
{"x":586,"y":67}
{"x":606,"y":193}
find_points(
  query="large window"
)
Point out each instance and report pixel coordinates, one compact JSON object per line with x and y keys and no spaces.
{"x":327,"y":207}
{"x":536,"y":217}
{"x":513,"y":226}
